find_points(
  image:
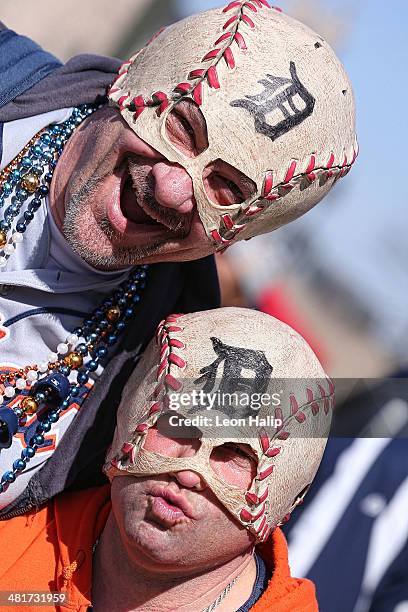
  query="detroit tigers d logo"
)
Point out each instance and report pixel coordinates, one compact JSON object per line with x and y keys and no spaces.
{"x":286,"y":102}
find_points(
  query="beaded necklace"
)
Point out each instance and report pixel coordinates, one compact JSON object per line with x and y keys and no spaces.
{"x":54,"y":384}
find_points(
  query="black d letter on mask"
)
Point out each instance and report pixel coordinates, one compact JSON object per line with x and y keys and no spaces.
{"x":284,"y":96}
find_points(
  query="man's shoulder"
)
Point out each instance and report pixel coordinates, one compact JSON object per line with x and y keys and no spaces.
{"x":79,"y":512}
{"x":284,"y":593}
{"x":22,"y":64}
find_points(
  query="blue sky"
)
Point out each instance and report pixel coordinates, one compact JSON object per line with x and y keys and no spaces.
{"x":363,"y":229}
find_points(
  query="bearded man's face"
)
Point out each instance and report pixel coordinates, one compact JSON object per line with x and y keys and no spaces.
{"x":120,"y":203}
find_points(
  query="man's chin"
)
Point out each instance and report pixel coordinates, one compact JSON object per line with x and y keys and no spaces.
{"x":114,"y":258}
{"x":103,"y":249}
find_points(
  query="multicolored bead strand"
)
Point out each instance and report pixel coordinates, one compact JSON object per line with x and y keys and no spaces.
{"x":52,"y":392}
{"x":27,"y":178}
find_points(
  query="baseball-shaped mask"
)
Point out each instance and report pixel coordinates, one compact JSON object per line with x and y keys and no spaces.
{"x":273,"y":102}
{"x":260,"y":387}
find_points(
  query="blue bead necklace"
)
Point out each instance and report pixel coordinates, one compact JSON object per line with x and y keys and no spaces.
{"x":28,"y":181}
{"x":54,"y":384}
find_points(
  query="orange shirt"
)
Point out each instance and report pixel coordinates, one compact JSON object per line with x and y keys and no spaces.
{"x":51,"y":550}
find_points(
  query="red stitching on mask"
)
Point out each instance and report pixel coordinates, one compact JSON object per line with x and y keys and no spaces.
{"x":194,"y":74}
{"x":162,"y":367}
{"x":264,"y":440}
{"x":127,"y":448}
{"x":231,"y":34}
{"x":224,"y":236}
{"x":265,"y":533}
{"x":268,"y":183}
{"x":262,"y":525}
{"x":239,"y":39}
{"x":222,"y":38}
{"x":331,"y":386}
{"x":124,"y":68}
{"x":314,"y":405}
{"x":228,"y":222}
{"x":291,"y":172}
{"x":172,"y":382}
{"x":178,"y":361}
{"x":157,"y":407}
{"x":212,"y":77}
{"x":279,"y":416}
{"x":229,"y":22}
{"x":165,"y":380}
{"x":265,"y":473}
{"x":229,"y":58}
{"x":198,"y":94}
{"x":230,"y":6}
{"x":254,"y":499}
{"x":164,"y":349}
{"x":174,"y":328}
{"x":326,"y":403}
{"x":253,"y":210}
{"x":211,"y":55}
{"x":297,"y":412}
{"x":248,"y":21}
{"x":183,"y":87}
{"x":122,"y":101}
{"x":247,"y":517}
{"x":343,"y":170}
{"x":294,"y":406}
{"x":273,"y":451}
{"x":162,"y":98}
{"x":176,"y":343}
{"x":158,"y":390}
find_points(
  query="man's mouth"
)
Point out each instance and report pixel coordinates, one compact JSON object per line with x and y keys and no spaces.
{"x":168,"y":508}
{"x":134,"y":207}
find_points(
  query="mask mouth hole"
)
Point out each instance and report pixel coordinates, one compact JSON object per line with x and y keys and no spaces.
{"x":235,"y":463}
{"x":225,"y":185}
{"x":186,"y":128}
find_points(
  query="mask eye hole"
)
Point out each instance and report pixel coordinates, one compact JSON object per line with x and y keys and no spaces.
{"x":225,"y":185}
{"x":235,"y":463}
{"x":172,"y":441}
{"x":186,"y":128}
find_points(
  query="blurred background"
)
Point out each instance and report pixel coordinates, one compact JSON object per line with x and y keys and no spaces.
{"x":339,"y":274}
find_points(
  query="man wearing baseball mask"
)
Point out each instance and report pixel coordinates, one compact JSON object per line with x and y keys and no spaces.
{"x":189,"y":520}
{"x":228,"y":124}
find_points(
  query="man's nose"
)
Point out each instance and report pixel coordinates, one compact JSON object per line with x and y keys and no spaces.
{"x":188,"y":478}
{"x":174,"y":187}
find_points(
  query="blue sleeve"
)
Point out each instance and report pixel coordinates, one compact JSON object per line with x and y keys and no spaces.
{"x":1,"y":142}
{"x":22,"y":64}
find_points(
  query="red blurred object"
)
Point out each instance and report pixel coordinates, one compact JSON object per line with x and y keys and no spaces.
{"x":275,"y":302}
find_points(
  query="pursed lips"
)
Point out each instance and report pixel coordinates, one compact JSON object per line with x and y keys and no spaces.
{"x":178,"y":501}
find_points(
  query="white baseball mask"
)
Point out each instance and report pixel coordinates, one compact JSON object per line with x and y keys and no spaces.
{"x":276,"y":103}
{"x":213,"y":350}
